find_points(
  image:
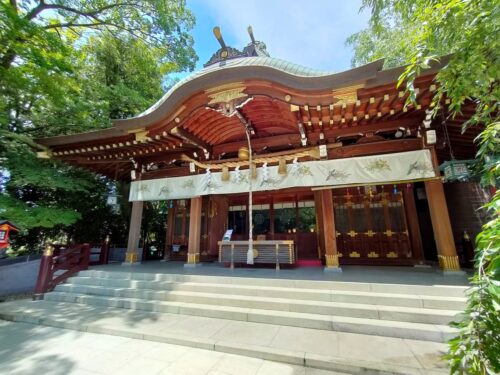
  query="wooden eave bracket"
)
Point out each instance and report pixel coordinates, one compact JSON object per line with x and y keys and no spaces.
{"x":44,"y":154}
{"x":140,"y":134}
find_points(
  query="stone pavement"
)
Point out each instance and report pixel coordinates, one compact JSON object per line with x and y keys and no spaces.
{"x":27,"y":349}
{"x":338,"y":351}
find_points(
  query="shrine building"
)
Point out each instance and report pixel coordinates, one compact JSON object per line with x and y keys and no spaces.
{"x":340,"y":168}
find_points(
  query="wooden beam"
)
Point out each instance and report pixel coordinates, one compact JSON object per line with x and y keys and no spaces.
{"x":188,"y":137}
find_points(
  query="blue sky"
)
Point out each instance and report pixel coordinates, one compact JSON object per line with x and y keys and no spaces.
{"x":310,"y":33}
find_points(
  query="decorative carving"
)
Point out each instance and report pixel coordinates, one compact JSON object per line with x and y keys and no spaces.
{"x":131,"y":257}
{"x":392,"y":254}
{"x":449,"y":262}
{"x":370,"y":233}
{"x":332,"y":260}
{"x":347,"y":94}
{"x":254,"y":48}
{"x":389,"y":233}
{"x":193,"y":258}
{"x":354,"y":254}
{"x":352,"y":234}
{"x":373,"y":254}
{"x":226,"y":96}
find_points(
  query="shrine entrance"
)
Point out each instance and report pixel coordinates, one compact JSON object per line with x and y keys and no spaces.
{"x":371,"y":225}
{"x":284,"y":215}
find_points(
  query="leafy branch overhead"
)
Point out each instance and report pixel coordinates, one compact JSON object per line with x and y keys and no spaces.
{"x":160,"y":24}
{"x":70,"y":66}
{"x":416,"y":33}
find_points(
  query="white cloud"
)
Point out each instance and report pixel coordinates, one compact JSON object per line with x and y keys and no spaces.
{"x":310,"y":33}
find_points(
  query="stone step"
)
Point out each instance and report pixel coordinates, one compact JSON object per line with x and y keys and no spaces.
{"x":325,"y":295}
{"x":427,"y":290}
{"x":359,"y":310}
{"x":408,"y":330}
{"x":305,"y":347}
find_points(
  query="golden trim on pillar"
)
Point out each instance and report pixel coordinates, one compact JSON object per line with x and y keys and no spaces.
{"x":332,"y":260}
{"x":131,"y":257}
{"x":449,"y":262}
{"x":193,"y":258}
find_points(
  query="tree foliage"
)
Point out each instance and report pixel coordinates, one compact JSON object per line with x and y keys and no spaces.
{"x":71,"y":66}
{"x":417,"y":32}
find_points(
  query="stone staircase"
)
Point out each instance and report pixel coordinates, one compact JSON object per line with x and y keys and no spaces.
{"x":414,"y":312}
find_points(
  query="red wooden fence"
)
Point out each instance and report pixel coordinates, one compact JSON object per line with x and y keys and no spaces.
{"x":59,"y":263}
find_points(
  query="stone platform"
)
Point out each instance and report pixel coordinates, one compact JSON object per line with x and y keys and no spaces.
{"x":352,"y":327}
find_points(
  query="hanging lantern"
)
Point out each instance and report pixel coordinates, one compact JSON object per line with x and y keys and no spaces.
{"x":456,"y":170}
{"x":395,"y":190}
{"x":225,"y":174}
{"x":282,"y":167}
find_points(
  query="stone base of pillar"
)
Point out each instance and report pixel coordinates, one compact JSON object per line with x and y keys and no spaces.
{"x":192,"y":265}
{"x":131,"y":259}
{"x":452,"y":272}
{"x":128,"y":264}
{"x":332,"y":269}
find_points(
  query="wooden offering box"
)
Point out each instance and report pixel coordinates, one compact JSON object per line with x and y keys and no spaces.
{"x":264,"y":252}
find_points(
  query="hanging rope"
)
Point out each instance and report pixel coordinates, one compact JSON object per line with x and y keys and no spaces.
{"x":271,"y":159}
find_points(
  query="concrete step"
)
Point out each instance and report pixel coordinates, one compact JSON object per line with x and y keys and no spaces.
{"x":389,"y":328}
{"x":359,"y":310}
{"x":299,"y":293}
{"x":345,"y":352}
{"x":427,"y":290}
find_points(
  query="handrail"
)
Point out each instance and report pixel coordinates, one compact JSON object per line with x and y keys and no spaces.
{"x":69,"y":260}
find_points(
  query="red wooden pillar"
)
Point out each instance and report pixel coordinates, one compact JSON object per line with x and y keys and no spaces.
{"x":413,"y":225}
{"x":134,"y":234}
{"x":328,"y":231}
{"x":193,"y":256}
{"x":44,"y":273}
{"x":217,"y":225}
{"x":447,"y":253}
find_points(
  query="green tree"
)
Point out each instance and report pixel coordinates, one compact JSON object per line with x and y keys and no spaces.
{"x":70,"y":66}
{"x":420,"y":31}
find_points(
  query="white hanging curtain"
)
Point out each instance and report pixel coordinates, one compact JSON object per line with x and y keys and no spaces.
{"x":403,"y":166}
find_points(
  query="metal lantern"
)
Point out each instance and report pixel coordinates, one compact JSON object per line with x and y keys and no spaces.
{"x":456,"y":170}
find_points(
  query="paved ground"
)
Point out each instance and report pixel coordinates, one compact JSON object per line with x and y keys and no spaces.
{"x":386,"y":353}
{"x":28,"y":349}
{"x":361,"y":274}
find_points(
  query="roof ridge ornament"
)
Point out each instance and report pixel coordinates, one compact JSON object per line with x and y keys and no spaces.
{"x":254,"y":48}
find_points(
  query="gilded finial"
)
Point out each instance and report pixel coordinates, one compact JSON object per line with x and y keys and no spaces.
{"x":250,"y":32}
{"x":49,"y":251}
{"x":218,"y":36}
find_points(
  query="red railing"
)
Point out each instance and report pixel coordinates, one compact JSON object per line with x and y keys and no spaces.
{"x":59,"y":263}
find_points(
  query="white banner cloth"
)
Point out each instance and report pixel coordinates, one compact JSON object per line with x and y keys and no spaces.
{"x":387,"y":168}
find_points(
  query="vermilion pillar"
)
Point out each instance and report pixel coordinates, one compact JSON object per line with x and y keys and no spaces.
{"x":328,"y":231}
{"x":134,"y":234}
{"x":193,"y":256}
{"x":447,"y":253}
